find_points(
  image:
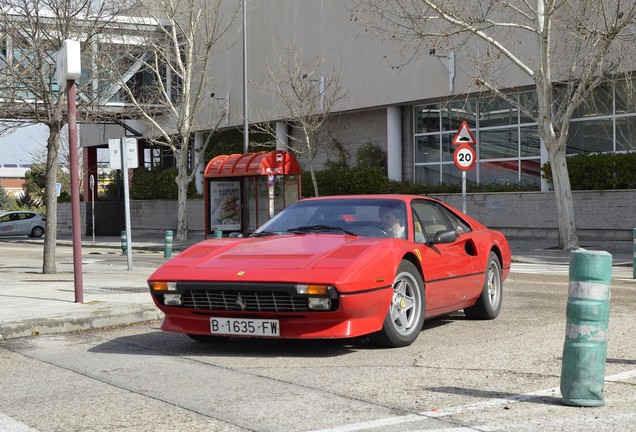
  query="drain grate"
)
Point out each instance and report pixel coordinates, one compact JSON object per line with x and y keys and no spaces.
{"x":112,"y":290}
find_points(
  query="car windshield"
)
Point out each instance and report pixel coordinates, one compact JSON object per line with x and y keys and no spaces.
{"x":360,"y":217}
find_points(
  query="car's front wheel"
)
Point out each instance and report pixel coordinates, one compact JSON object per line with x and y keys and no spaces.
{"x":488,"y":304}
{"x":405,"y":317}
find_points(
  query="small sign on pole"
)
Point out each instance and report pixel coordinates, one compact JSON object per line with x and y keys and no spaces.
{"x":464,"y":135}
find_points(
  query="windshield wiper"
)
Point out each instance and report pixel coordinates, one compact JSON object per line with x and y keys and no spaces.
{"x":319,"y":228}
{"x":264,"y":234}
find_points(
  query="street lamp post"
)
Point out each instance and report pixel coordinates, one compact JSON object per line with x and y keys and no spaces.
{"x":69,"y":69}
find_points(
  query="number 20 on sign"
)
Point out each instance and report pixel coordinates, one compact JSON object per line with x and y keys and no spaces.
{"x":464,"y":157}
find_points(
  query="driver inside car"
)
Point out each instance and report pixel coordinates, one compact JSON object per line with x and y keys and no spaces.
{"x":392,"y":222}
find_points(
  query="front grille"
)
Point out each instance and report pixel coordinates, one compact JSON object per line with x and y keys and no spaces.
{"x":248,"y":301}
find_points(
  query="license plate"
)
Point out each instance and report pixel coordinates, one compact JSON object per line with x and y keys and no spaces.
{"x":244,"y":327}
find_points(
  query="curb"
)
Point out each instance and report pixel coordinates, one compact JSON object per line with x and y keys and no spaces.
{"x":79,"y":322}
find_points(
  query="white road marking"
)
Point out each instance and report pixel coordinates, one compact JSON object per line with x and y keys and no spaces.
{"x":554,"y":391}
{"x":8,"y":424}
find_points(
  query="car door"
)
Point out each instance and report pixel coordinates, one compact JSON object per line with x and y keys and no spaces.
{"x":8,"y":224}
{"x":449,"y":268}
{"x":23,"y":223}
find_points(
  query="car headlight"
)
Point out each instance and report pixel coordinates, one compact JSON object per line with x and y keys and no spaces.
{"x":319,"y":303}
{"x":172,"y":299}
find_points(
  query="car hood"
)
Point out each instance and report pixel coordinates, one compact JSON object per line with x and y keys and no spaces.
{"x":268,"y":257}
{"x":284,"y":252}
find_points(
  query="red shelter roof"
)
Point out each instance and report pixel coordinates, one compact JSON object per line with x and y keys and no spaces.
{"x":277,"y":162}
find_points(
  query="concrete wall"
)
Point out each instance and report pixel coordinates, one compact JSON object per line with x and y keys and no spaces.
{"x":601,"y":215}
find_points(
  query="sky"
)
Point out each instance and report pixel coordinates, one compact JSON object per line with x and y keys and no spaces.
{"x":23,"y":146}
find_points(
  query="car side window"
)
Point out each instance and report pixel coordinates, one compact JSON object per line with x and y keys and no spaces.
{"x":458,"y":225}
{"x":431,"y":218}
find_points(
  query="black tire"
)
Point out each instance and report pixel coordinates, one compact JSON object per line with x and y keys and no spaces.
{"x":206,"y":338}
{"x":37,"y":231}
{"x":489,"y":302}
{"x":405,"y":317}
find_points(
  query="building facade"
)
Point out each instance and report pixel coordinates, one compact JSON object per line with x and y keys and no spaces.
{"x":409,"y":105}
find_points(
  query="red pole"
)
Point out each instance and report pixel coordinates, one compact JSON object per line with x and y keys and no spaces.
{"x":75,"y":191}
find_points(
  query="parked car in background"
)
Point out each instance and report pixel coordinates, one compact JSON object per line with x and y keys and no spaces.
{"x":337,"y":267}
{"x":15,"y":223}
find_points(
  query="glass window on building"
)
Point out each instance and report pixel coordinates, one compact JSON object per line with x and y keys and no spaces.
{"x":454,"y":113}
{"x":498,"y":112}
{"x":591,"y":136}
{"x":501,"y":142}
{"x":626,"y":134}
{"x":427,"y":118}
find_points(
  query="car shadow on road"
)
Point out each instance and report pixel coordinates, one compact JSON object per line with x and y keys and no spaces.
{"x":164,"y":343}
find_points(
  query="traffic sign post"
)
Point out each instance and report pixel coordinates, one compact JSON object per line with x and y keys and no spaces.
{"x":464,"y":155}
{"x":464,"y":135}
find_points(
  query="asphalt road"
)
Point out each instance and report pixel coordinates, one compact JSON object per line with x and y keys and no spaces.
{"x":460,"y":375}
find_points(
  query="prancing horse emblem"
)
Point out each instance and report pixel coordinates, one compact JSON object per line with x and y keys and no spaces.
{"x":239,"y":301}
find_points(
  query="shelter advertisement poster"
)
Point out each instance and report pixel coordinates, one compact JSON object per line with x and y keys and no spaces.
{"x":225,"y":205}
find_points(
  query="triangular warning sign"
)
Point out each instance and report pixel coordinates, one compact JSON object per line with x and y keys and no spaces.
{"x":464,"y":135}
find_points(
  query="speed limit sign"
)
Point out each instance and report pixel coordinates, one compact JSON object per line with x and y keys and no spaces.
{"x":464,"y":157}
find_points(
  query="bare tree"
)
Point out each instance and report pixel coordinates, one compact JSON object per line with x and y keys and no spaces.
{"x":32,"y":33}
{"x":307,"y":97}
{"x":176,"y":57}
{"x":566,"y":47}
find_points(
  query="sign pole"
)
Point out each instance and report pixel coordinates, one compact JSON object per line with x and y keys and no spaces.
{"x":69,"y":68}
{"x":124,"y":171}
{"x":92,"y":185}
{"x":75,"y":202}
{"x":464,"y":192}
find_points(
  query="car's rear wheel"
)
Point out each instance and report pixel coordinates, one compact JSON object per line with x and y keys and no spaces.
{"x":488,"y":304}
{"x":37,"y":231}
{"x":405,"y":317}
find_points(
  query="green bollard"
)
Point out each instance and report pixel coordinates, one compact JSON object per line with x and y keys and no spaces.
{"x":585,"y":347}
{"x":167,"y":251}
{"x":218,"y":234}
{"x":124,"y":243}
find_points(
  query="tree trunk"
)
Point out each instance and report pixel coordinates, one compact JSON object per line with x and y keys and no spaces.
{"x":314,"y":181}
{"x":182,"y":208}
{"x":566,"y":223}
{"x":50,"y":238}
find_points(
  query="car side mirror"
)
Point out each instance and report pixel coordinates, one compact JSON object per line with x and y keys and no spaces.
{"x":448,"y":236}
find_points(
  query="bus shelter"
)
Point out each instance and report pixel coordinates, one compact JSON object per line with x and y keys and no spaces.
{"x":243,"y":191}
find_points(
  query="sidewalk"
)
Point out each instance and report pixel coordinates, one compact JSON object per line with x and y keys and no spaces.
{"x":34,"y":303}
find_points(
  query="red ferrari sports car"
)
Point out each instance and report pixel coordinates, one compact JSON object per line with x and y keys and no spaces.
{"x":337,"y":267}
